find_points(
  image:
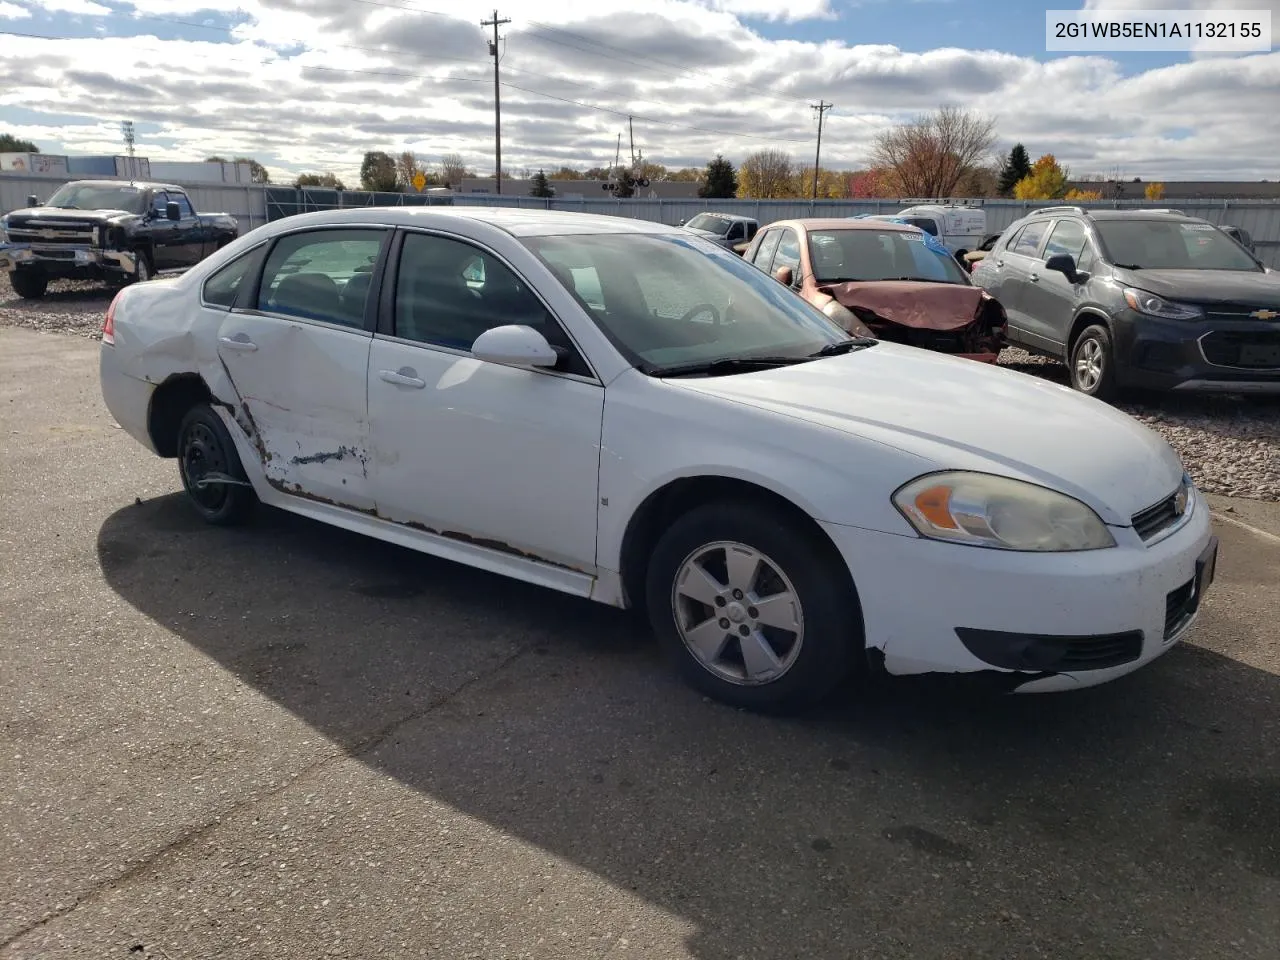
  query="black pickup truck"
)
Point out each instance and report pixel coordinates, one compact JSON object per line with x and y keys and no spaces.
{"x":107,"y":230}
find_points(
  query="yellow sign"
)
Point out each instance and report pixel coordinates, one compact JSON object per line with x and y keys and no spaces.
{"x":419,"y":181}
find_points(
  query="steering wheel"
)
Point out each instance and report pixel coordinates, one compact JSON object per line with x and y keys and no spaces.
{"x":698,"y":308}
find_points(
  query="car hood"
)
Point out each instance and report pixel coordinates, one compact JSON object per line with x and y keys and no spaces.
{"x":55,"y":214}
{"x":964,"y":415}
{"x":1207,"y":286}
{"x":911,"y":303}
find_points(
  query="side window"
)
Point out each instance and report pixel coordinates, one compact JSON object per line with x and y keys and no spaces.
{"x":1028,"y":241}
{"x":184,"y":206}
{"x":1084,"y":262}
{"x":1067,"y":237}
{"x":223,"y":284}
{"x":927,"y":224}
{"x":764,"y":252}
{"x":449,"y":292}
{"x":321,"y":275}
{"x":752,"y":229}
{"x":788,"y":254}
{"x":159,"y":201}
{"x":1010,"y":239}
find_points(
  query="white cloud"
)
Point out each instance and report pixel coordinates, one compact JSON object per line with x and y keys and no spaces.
{"x":85,"y":8}
{"x":693,"y":74}
{"x":11,"y":11}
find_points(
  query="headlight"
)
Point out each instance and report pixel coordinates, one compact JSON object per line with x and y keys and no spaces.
{"x":1154,"y":306}
{"x":847,"y":319}
{"x":984,"y":510}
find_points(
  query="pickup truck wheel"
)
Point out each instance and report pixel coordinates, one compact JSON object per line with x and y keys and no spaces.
{"x":29,"y":284}
{"x":142,"y":273}
{"x":211,"y":472}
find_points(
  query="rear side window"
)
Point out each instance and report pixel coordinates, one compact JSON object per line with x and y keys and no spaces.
{"x":1028,"y":241}
{"x":321,"y":275}
{"x":223,"y":284}
{"x":764,"y":252}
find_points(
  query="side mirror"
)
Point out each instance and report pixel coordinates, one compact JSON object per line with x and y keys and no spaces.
{"x":784,"y":276}
{"x":515,"y":345}
{"x":33,"y":200}
{"x":1065,"y":264}
{"x":172,"y":210}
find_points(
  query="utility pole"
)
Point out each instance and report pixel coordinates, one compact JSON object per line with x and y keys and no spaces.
{"x":497,"y":97}
{"x":822,"y":107}
{"x":632,"y":134}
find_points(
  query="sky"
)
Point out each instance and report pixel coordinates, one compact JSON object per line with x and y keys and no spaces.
{"x":310,"y":85}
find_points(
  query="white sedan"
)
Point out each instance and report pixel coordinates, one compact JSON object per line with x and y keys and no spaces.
{"x":625,"y":412}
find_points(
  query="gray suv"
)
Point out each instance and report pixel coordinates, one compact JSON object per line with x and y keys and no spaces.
{"x":1141,"y":298}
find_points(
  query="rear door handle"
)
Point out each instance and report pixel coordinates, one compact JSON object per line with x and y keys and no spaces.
{"x":999,"y":263}
{"x":404,"y":377}
{"x":238,"y":342}
{"x":1034,"y":278}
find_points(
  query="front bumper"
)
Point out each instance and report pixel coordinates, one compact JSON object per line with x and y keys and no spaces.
{"x":67,"y":260}
{"x":1206,"y":356}
{"x":1029,"y":622}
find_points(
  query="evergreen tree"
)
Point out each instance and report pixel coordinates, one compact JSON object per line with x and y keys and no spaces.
{"x":541,"y":188}
{"x":720,"y":182}
{"x":1016,"y":168}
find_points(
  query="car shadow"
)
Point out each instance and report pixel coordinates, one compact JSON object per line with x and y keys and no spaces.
{"x":904,"y":818}
{"x":60,"y":292}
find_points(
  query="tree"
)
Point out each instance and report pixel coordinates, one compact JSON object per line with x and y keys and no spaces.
{"x":326,"y":180}
{"x":624,"y":184}
{"x":720,"y":181}
{"x":378,"y":172}
{"x":1046,"y":181}
{"x":541,"y":186}
{"x":407,"y":167}
{"x":453,"y":169}
{"x":1155,"y":191}
{"x":767,"y":175}
{"x":929,"y":156}
{"x":832,"y":184}
{"x":651,"y":171}
{"x":1015,"y":167}
{"x":865,"y":184}
{"x":1082,"y":195}
{"x":11,"y":144}
{"x":980,"y":182}
{"x":565,"y":173}
{"x":692,"y":175}
{"x":257,"y":172}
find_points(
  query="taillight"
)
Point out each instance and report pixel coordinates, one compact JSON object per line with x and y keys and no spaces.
{"x":109,"y":325}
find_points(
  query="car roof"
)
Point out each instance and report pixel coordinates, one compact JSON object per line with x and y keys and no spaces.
{"x":724,"y":216}
{"x":140,"y":184}
{"x":844,"y":223}
{"x":515,"y":221}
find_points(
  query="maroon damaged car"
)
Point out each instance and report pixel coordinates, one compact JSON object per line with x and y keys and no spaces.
{"x":883,"y":279}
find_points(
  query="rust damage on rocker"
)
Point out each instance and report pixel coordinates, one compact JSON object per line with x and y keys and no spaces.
{"x":295,"y":490}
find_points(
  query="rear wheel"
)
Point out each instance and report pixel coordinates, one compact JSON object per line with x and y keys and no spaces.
{"x":211,"y":472}
{"x":754,"y":611}
{"x":29,"y":284}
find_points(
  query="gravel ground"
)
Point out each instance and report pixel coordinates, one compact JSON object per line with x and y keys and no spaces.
{"x":1231,"y":445}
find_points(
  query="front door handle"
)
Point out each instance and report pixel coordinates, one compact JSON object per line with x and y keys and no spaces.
{"x":1034,"y":278}
{"x":404,"y":377}
{"x":238,"y":342}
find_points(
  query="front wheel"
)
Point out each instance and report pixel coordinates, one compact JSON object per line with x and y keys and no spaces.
{"x":210,"y":467}
{"x":29,"y":284}
{"x":1093,"y":363}
{"x":755,"y":612}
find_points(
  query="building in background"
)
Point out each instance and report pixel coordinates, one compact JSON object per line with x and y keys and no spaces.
{"x":582,"y":189}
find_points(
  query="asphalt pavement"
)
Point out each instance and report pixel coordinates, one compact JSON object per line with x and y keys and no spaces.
{"x":288,"y":741}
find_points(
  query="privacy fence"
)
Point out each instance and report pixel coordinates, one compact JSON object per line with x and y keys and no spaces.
{"x":256,"y":205}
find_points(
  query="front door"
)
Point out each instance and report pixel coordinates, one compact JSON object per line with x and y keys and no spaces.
{"x":504,"y":456}
{"x":166,"y":239}
{"x":297,"y":353}
{"x":1049,"y":299}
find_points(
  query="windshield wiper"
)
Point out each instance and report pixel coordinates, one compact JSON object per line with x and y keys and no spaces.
{"x":1128,"y":266}
{"x":846,"y":346}
{"x":724,"y":365}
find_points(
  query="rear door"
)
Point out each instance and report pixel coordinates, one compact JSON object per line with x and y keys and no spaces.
{"x":296,"y":348}
{"x":1014,"y":262}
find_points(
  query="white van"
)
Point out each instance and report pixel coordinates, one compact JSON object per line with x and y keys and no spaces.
{"x":959,"y":227}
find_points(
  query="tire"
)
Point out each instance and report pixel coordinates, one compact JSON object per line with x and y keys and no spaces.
{"x":143,"y":272}
{"x":812,"y":660}
{"x":1092,"y":366}
{"x":29,"y":284}
{"x":205,"y":446}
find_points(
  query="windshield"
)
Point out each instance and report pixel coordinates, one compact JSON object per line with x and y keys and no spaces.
{"x":85,"y":196}
{"x":1171,"y":245}
{"x":710,"y":223}
{"x":862,"y":254}
{"x":665,"y":300}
